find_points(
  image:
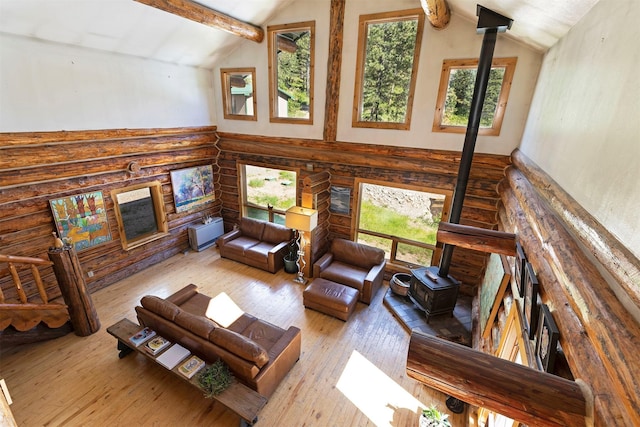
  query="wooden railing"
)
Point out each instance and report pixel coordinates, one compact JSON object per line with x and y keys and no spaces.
{"x":33,"y":263}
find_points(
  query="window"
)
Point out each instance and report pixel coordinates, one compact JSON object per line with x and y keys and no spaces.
{"x":401,"y":220}
{"x":387,"y":64}
{"x":457,"y":81}
{"x":267,"y":193}
{"x":291,"y":72}
{"x":239,"y":93}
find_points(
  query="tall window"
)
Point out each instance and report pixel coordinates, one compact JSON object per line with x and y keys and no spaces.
{"x":267,"y":193}
{"x":387,"y":64}
{"x":457,"y":81}
{"x":403,"y":221}
{"x":291,"y":51}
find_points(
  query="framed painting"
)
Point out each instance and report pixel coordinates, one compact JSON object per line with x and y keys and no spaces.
{"x":340,"y":200}
{"x":192,"y":187}
{"x":494,"y":284}
{"x":547,"y":335}
{"x":140,"y":214}
{"x":81,"y":219}
{"x":530,"y":300}
{"x":521,"y":260}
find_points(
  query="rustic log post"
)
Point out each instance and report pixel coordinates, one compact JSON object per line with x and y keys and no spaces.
{"x":74,"y":290}
{"x":334,"y":64}
{"x":437,"y":12}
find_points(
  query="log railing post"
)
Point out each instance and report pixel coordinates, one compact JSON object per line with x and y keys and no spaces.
{"x":74,"y":290}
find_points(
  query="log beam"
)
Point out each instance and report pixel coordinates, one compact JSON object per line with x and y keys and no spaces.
{"x":437,"y":12}
{"x":203,"y":15}
{"x":479,"y":239}
{"x":516,"y":391}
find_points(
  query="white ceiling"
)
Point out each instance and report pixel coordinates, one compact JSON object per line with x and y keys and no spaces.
{"x":129,"y":27}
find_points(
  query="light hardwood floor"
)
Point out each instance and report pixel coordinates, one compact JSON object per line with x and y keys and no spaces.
{"x":349,"y":374}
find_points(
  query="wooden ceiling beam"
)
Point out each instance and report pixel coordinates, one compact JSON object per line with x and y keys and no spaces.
{"x":203,"y":15}
{"x":438,"y":12}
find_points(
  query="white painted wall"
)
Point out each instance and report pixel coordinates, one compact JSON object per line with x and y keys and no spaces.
{"x":584,"y":125}
{"x":50,"y":87}
{"x":458,"y":40}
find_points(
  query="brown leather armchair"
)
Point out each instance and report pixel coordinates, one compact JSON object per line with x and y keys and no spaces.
{"x":353,"y":264}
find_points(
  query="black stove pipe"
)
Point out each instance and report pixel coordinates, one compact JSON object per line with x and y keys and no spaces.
{"x":477,"y":102}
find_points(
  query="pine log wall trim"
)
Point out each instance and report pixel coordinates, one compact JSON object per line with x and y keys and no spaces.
{"x":346,"y":161}
{"x":598,"y":335}
{"x":36,"y":167}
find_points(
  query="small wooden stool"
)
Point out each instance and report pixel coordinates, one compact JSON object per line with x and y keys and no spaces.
{"x":330,"y":298}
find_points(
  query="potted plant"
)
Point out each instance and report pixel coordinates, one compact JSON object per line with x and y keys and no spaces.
{"x":291,"y":258}
{"x":431,"y":417}
{"x":215,"y":379}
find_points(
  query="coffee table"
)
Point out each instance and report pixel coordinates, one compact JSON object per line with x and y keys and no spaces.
{"x":237,"y":397}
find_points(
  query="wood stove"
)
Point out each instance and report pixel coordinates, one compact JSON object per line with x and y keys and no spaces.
{"x":432,"y":293}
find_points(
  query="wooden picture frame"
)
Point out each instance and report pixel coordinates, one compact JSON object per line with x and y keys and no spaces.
{"x":82,"y":219}
{"x":531,"y":291}
{"x":239,"y":93}
{"x":494,"y":284}
{"x":520,"y":264}
{"x":192,"y":187}
{"x":340,"y":200}
{"x":547,"y":335}
{"x":140,"y":214}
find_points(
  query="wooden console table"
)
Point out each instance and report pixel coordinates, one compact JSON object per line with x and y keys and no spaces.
{"x":238,"y":397}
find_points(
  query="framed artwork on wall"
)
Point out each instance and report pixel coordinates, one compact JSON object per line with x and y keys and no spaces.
{"x":140,"y":214}
{"x":521,"y":260}
{"x":82,"y":219}
{"x":192,"y":187}
{"x":494,"y":284}
{"x":531,"y":309}
{"x":547,"y":335}
{"x":340,"y":200}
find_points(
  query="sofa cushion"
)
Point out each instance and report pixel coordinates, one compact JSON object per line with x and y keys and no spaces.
{"x":199,"y":325}
{"x":345,"y":274}
{"x":276,"y":233}
{"x":161,"y":307}
{"x":356,"y":253}
{"x":240,"y":345}
{"x":252,"y":228}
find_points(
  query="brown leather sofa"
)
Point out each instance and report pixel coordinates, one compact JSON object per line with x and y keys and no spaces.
{"x":258,"y":353}
{"x":353,"y":264}
{"x":257,"y":243}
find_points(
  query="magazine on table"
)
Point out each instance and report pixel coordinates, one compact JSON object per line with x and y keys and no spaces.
{"x":142,"y":336}
{"x":174,"y":355}
{"x":191,"y":366}
{"x":156,"y":345}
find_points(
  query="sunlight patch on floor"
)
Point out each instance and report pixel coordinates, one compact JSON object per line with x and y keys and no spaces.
{"x":223,"y":310}
{"x":380,"y":398}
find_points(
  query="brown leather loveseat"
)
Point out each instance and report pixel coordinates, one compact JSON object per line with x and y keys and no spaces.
{"x":258,"y":353}
{"x":257,"y":243}
{"x":353,"y":264}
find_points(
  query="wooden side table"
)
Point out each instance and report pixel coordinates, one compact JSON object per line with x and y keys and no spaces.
{"x":237,"y":397}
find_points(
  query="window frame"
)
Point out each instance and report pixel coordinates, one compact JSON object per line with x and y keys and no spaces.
{"x":357,"y":200}
{"x":509,"y":65}
{"x":377,"y":18}
{"x":227,"y":97}
{"x":272,"y":34}
{"x":245,"y":205}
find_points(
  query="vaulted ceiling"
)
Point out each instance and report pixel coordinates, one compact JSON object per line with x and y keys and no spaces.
{"x":132,"y":28}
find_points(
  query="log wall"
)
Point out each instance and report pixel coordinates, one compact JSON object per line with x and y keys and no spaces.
{"x":598,"y":335}
{"x":36,"y":167}
{"x":345,"y":161}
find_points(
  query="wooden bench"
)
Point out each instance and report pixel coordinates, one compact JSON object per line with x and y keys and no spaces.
{"x":238,"y":397}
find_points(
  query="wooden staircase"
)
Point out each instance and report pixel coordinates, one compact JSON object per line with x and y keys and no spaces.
{"x":25,"y":321}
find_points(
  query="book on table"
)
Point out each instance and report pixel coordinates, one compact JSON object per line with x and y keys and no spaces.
{"x":142,"y":336}
{"x":156,"y":345}
{"x":191,"y":366}
{"x":174,"y":355}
